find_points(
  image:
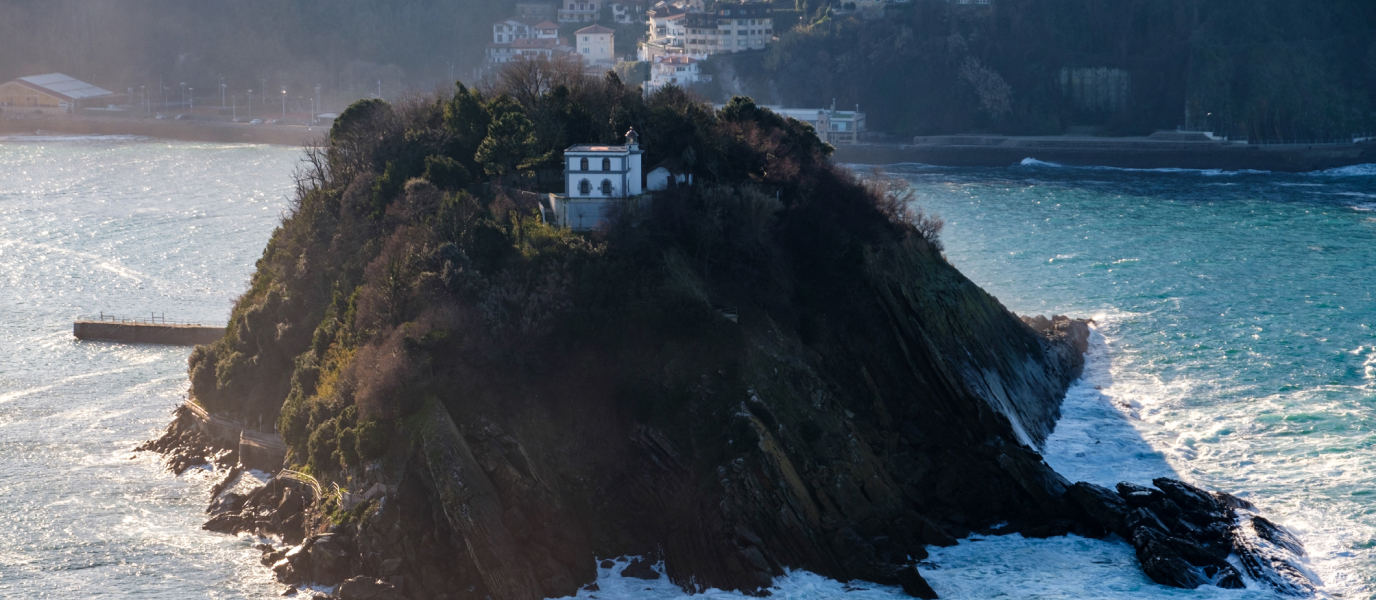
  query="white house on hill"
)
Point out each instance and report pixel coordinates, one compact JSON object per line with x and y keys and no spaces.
{"x":598,"y":182}
{"x":595,"y":44}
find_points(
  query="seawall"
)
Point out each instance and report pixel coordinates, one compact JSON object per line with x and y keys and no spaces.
{"x":1134,"y":153}
{"x":257,"y":450}
{"x":147,"y":333}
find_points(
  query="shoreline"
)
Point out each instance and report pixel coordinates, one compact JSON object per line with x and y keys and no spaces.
{"x":1129,"y":153}
{"x":170,"y":129}
{"x":942,"y":151}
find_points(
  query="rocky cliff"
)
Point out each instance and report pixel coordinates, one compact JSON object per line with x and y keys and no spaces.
{"x":773,"y":368}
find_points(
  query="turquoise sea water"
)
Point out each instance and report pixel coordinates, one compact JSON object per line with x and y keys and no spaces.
{"x":1236,"y":316}
{"x":1234,"y":349}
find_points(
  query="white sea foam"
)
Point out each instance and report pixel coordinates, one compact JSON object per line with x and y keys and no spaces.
{"x":1032,"y":162}
{"x":1362,"y":170}
{"x":1095,"y":440}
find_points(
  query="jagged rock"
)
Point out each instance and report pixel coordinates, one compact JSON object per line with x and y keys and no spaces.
{"x":1187,"y":497}
{"x":329,"y":558}
{"x":640,"y":569}
{"x":230,"y":523}
{"x":226,"y":503}
{"x":914,"y":584}
{"x":271,"y":557}
{"x":1138,"y":495}
{"x":367,"y":588}
{"x":290,"y":591}
{"x":1183,"y":535}
{"x":1268,"y":555}
{"x":1102,"y":505}
{"x":607,"y":564}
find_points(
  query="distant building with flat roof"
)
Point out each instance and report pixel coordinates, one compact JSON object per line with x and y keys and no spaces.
{"x":51,"y":91}
{"x":833,"y":126}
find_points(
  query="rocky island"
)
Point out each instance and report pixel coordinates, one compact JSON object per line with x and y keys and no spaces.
{"x":771,"y":368}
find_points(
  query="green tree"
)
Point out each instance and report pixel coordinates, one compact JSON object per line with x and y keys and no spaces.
{"x":467,"y":119}
{"x":510,"y":142}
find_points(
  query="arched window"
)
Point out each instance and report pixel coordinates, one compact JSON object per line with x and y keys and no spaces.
{"x":583,"y":165}
{"x":584,"y":188}
{"x":606,"y":164}
{"x":606,"y":187}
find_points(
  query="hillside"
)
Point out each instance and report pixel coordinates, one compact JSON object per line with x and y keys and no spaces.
{"x":1268,"y":70}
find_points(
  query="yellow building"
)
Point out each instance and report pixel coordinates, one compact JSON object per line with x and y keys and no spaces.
{"x":51,"y":91}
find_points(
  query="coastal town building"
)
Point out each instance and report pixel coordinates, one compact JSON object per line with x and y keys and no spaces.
{"x":675,"y":69}
{"x":627,"y":12}
{"x":537,"y":11}
{"x":53,"y":92}
{"x":833,"y":126}
{"x":548,"y":49}
{"x":580,"y":11}
{"x":699,"y":30}
{"x":516,"y":39}
{"x":667,"y":173}
{"x":595,"y":44}
{"x":510,"y":30}
{"x":599,"y":181}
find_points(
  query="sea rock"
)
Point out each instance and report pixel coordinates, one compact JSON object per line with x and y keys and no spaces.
{"x":1103,"y":505}
{"x":225,"y":503}
{"x":329,"y":558}
{"x":640,"y":569}
{"x":1271,"y":555}
{"x":914,"y":585}
{"x":1183,"y":535}
{"x":367,"y":588}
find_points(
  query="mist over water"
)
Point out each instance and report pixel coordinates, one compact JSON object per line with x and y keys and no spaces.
{"x":126,"y":226}
{"x":1234,"y":350}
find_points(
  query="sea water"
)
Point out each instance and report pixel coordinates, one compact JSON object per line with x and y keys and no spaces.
{"x":131,"y":227}
{"x":1234,"y":349}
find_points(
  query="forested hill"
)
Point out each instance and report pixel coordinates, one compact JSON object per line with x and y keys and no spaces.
{"x":344,"y":45}
{"x":1265,"y":69}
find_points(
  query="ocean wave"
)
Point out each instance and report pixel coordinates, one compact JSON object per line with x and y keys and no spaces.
{"x":1362,"y":170}
{"x":1032,"y":162}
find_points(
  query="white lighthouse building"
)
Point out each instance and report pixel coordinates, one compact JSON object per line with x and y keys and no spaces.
{"x":599,"y":181}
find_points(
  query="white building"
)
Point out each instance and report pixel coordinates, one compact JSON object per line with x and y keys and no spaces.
{"x":510,"y":30}
{"x":689,"y":28}
{"x":675,"y":69}
{"x":578,"y":11}
{"x":599,"y":181}
{"x":833,"y":126}
{"x":527,"y":48}
{"x":627,"y":12}
{"x":595,"y":44}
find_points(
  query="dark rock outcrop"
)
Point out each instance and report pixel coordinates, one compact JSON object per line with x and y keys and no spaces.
{"x":1184,"y":536}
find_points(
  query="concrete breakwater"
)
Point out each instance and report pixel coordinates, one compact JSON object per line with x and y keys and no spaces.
{"x":1134,"y":153}
{"x":150,"y":331}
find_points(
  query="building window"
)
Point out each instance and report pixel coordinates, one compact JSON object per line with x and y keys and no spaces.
{"x":606,"y":164}
{"x":583,"y":165}
{"x":584,"y":188}
{"x":606,"y":187}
